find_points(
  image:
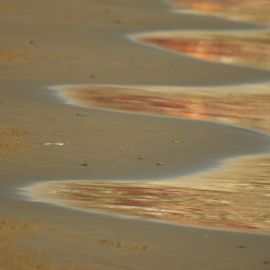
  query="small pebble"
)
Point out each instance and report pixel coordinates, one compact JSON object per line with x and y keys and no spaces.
{"x":84,"y":164}
{"x":159,"y":163}
{"x":145,"y":247}
{"x":176,"y":141}
{"x":31,"y":42}
{"x":141,"y":158}
{"x":241,"y":246}
{"x":266,"y":262}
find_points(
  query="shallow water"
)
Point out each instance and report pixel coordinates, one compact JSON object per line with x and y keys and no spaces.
{"x":246,"y":106}
{"x":241,"y":10}
{"x":235,"y":196}
{"x":245,"y":48}
{"x":222,"y":198}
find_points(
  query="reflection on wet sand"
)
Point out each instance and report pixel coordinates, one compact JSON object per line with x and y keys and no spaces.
{"x":245,"y":106}
{"x":251,"y":49}
{"x":242,"y":10}
{"x":234,"y":197}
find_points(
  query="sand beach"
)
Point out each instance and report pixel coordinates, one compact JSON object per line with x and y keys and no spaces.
{"x":88,"y":112}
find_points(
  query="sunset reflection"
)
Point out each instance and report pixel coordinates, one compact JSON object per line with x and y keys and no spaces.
{"x":241,"y":10}
{"x":243,"y":106}
{"x":250,"y":49}
{"x":219,"y":198}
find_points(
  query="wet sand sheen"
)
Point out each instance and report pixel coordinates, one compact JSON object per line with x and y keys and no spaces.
{"x":246,"y":106}
{"x":216,"y":206}
{"x":234,"y":197}
{"x":68,"y":43}
{"x":245,"y":48}
{"x":220,"y":198}
{"x":242,"y":10}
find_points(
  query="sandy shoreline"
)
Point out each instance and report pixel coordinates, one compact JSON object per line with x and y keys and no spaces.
{"x":217,"y":199}
{"x":240,"y":11}
{"x":85,"y":43}
{"x":241,"y":48}
{"x":231,"y":105}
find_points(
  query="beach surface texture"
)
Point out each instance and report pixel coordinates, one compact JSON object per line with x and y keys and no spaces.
{"x":134,"y":135}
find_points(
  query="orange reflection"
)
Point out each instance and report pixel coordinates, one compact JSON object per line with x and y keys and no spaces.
{"x":222,"y":198}
{"x":240,"y":48}
{"x":218,"y":198}
{"x":241,"y":10}
{"x":244,"y":106}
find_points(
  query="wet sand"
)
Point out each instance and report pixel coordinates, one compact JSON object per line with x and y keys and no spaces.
{"x":12,"y":232}
{"x":244,"y":48}
{"x":219,"y":199}
{"x":67,"y":43}
{"x":245,"y":106}
{"x":13,"y":141}
{"x":242,"y":10}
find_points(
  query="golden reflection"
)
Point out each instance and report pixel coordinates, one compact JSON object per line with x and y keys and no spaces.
{"x":250,"y":49}
{"x":241,"y":10}
{"x":245,"y":106}
{"x":234,"y":197}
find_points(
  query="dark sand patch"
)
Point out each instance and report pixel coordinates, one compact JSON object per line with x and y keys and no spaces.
{"x":125,"y":246}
